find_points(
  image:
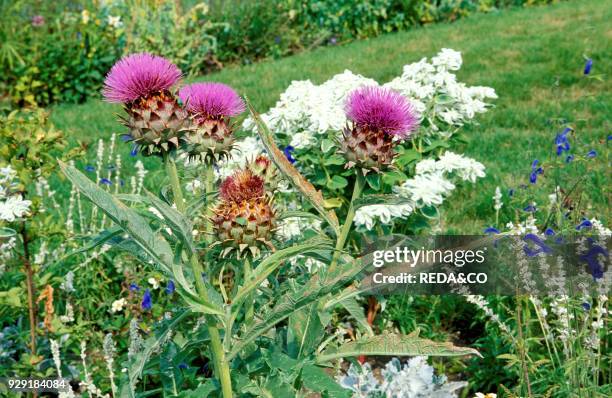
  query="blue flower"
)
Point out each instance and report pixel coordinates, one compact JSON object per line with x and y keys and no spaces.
{"x":105,"y":181}
{"x":609,"y":137}
{"x":126,"y":137}
{"x":549,"y":232}
{"x":588,"y":66}
{"x":134,"y":287}
{"x":569,"y":158}
{"x":277,"y":39}
{"x":491,"y":230}
{"x":89,"y":168}
{"x":586,"y":306}
{"x":147,"y":303}
{"x":170,"y":288}
{"x":530,"y":209}
{"x":134,"y":150}
{"x":584,"y":224}
{"x":562,"y":142}
{"x":288,"y":153}
{"x":535,"y":171}
{"x":541,"y":246}
{"x":591,"y":154}
{"x":122,"y":182}
{"x":592,"y":259}
{"x":511,"y":192}
{"x":182,"y":365}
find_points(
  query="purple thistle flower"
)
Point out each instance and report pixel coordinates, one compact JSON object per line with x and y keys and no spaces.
{"x":588,"y":66}
{"x":382,"y":109}
{"x":591,"y":154}
{"x":211,"y":99}
{"x":288,"y":151}
{"x":147,"y":302}
{"x":139,"y":75}
{"x":38,"y":20}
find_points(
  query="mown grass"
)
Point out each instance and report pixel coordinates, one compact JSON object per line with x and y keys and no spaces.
{"x":532,"y":57}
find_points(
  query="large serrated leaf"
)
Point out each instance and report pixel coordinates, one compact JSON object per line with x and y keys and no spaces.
{"x":316,"y":379}
{"x":293,"y":175}
{"x":382,"y":199}
{"x":175,"y":220}
{"x":316,"y":287}
{"x":272,"y":262}
{"x":154,"y":244}
{"x":394,"y":345}
{"x":305,"y":331}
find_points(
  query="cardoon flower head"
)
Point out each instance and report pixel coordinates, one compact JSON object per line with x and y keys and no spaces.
{"x":213,"y":100}
{"x":241,"y":186}
{"x":142,"y":83}
{"x":381,"y":109}
{"x":262,"y":167}
{"x":378,"y":115}
{"x":138,"y":76}
{"x":211,"y":105}
{"x":244,"y":219}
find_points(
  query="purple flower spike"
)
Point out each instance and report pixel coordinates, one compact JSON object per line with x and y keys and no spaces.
{"x":212,"y":99}
{"x":588,"y":66}
{"x":147,"y":302}
{"x":382,"y":109}
{"x":139,"y":75}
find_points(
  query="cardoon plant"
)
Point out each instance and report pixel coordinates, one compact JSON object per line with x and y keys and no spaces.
{"x":244,"y":218}
{"x":241,"y":314}
{"x":142,"y":83}
{"x":380,"y":117}
{"x":211,"y":106}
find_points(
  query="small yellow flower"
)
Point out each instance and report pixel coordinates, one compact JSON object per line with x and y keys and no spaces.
{"x":85,"y":17}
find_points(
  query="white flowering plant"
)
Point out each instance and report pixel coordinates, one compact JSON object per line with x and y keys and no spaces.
{"x":309,"y":120}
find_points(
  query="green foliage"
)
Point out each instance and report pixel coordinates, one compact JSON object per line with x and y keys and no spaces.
{"x":65,"y":58}
{"x":163,"y":29}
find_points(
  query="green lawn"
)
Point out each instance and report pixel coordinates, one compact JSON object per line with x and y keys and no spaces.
{"x":532,"y":57}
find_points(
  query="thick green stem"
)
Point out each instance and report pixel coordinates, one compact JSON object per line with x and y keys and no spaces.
{"x":209,"y":186}
{"x":346,"y":228}
{"x":221,"y":365}
{"x":250,"y":311}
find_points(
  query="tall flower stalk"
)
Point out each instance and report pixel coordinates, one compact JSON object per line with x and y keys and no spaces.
{"x":157,"y":123}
